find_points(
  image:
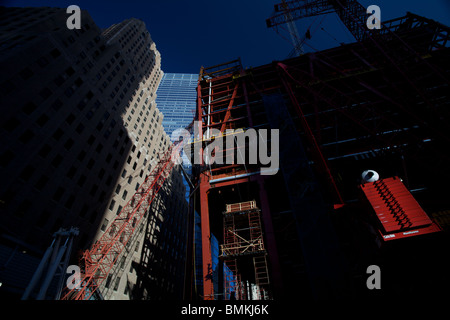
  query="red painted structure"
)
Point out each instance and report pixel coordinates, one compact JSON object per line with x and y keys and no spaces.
{"x":100,"y":259}
{"x":398,"y":213}
{"x":223,"y":103}
{"x":379,"y":103}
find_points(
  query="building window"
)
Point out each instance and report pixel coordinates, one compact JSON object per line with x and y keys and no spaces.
{"x":6,"y":158}
{"x":104,"y":225}
{"x":26,"y":73}
{"x":29,"y":108}
{"x":91,"y":140}
{"x":58,"y":194}
{"x":81,"y":155}
{"x":11,"y":124}
{"x":71,"y":172}
{"x":42,"y":120}
{"x":90,"y":164}
{"x":93,"y":216}
{"x":81,"y":180}
{"x":69,"y":92}
{"x":45,"y":150}
{"x":68,"y":145}
{"x":70,"y":71}
{"x":108,"y":281}
{"x":57,"y":134}
{"x":26,"y":137}
{"x":80,"y":128}
{"x":125,"y":193}
{"x":57,"y":105}
{"x":70,"y":119}
{"x":81,"y":105}
{"x":101,"y":173}
{"x":122,"y":262}
{"x":111,"y":206}
{"x":102,"y":196}
{"x":107,"y":133}
{"x":59,"y":80}
{"x":116,"y":285}
{"x":70,"y":201}
{"x":55,"y":53}
{"x":7,"y":87}
{"x":27,"y":173}
{"x":57,"y":161}
{"x":108,"y":180}
{"x":93,"y":190}
{"x":99,"y":148}
{"x":137,"y":247}
{"x":84,"y":210}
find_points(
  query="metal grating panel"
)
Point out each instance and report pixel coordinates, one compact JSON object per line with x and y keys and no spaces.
{"x":399,"y":214}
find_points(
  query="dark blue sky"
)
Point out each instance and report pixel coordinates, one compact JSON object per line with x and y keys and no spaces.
{"x":193,"y":33}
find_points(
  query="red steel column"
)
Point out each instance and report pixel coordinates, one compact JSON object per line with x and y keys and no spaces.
{"x":208,"y":289}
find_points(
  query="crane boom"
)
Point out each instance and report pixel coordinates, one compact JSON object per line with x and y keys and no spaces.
{"x":352,"y":14}
{"x":295,"y":37}
{"x":100,"y":259}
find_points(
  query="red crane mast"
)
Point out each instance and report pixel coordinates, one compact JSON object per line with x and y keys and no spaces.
{"x":100,"y":259}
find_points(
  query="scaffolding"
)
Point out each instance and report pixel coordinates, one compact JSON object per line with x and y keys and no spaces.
{"x":243,"y":237}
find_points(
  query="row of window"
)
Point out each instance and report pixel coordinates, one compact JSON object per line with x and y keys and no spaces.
{"x":29,"y":170}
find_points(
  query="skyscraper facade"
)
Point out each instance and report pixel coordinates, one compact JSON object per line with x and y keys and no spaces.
{"x":176,"y":99}
{"x":80,"y":132}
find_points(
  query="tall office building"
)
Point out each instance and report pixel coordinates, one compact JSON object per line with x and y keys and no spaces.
{"x":80,"y":132}
{"x":177,"y":100}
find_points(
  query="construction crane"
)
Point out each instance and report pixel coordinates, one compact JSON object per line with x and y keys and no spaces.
{"x":295,"y":37}
{"x":351,"y":13}
{"x":100,"y":259}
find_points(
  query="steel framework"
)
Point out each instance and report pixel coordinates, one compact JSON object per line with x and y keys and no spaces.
{"x":381,"y":102}
{"x":223,"y":103}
